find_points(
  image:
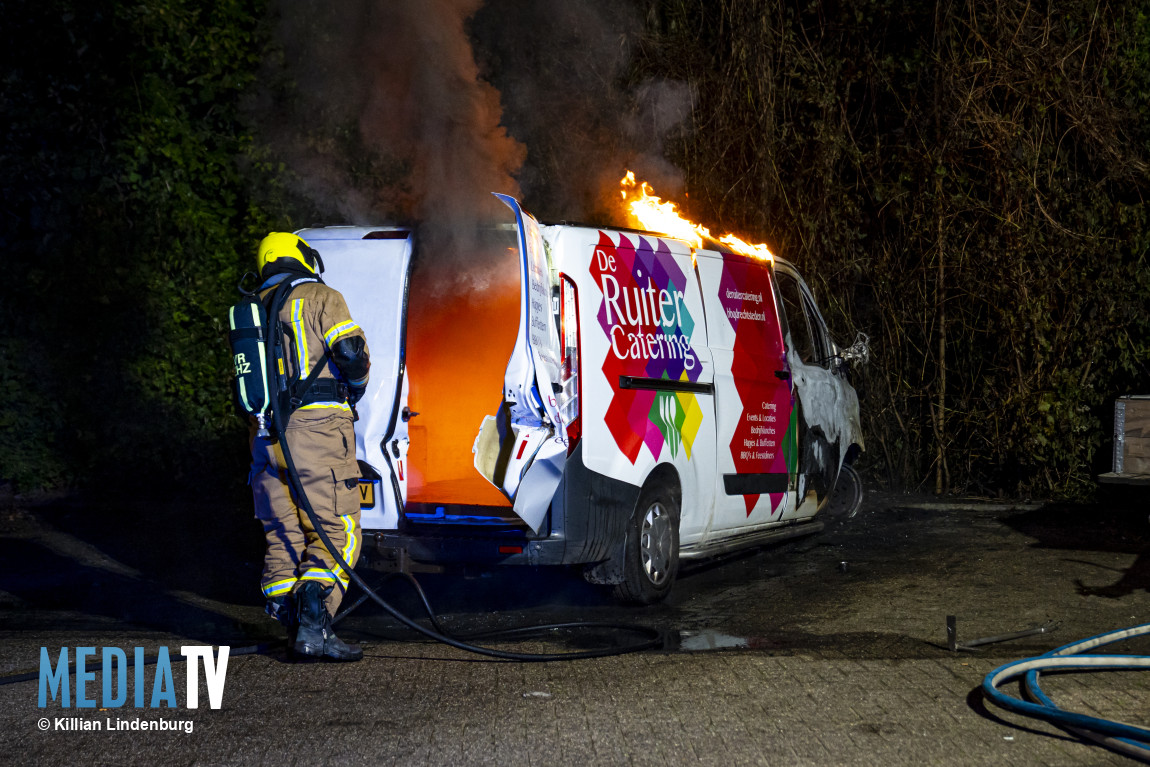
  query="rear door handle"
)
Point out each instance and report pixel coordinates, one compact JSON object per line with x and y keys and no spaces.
{"x":783,"y":375}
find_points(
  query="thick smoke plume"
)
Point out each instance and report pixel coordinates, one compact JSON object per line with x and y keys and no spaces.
{"x":574,"y":93}
{"x":414,"y":111}
{"x":379,"y":112}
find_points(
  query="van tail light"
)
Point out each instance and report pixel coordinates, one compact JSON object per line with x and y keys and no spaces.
{"x":572,"y":394}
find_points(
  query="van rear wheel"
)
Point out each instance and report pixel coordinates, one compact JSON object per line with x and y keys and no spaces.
{"x":651,"y":555}
{"x":849,"y":493}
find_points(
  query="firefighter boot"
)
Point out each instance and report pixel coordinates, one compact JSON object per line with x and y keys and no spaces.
{"x":314,"y":637}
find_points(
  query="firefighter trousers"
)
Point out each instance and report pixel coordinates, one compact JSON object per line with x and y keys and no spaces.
{"x":322,"y":445}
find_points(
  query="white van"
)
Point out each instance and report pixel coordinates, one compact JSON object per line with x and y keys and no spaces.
{"x":624,"y":402}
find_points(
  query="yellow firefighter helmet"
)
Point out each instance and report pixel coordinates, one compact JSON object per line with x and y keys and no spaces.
{"x":280,"y":245}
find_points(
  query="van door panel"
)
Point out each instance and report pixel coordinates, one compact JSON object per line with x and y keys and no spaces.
{"x":755,"y":442}
{"x":535,"y":360}
{"x":372,"y":275}
{"x":646,"y":370}
{"x":829,"y":405}
{"x":522,"y":449}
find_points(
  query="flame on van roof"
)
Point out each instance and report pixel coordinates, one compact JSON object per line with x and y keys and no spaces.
{"x":658,"y":215}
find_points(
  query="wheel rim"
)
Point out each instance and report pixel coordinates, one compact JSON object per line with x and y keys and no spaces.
{"x":856,"y":496}
{"x":656,"y":544}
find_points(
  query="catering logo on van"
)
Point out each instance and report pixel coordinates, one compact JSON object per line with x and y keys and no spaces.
{"x":648,"y":326}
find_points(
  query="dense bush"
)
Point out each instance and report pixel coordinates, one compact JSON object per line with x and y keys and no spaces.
{"x":965,"y":182}
{"x":126,"y":224}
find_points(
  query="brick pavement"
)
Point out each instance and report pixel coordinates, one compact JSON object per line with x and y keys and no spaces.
{"x":841,"y":667}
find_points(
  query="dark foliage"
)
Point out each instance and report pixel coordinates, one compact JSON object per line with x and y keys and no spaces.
{"x":126,"y":225}
{"x":964,"y":182}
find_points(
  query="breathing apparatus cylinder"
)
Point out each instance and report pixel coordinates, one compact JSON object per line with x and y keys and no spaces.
{"x":248,"y":336}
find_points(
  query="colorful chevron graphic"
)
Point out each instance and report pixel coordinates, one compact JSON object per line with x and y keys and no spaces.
{"x":646,"y":320}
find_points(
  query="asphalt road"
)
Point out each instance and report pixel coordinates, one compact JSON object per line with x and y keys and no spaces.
{"x":826,"y":650}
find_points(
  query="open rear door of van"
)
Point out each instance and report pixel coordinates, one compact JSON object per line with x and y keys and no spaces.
{"x":522,"y":449}
{"x":370,"y":267}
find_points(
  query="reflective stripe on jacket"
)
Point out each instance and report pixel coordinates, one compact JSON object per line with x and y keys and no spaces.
{"x":314,"y":317}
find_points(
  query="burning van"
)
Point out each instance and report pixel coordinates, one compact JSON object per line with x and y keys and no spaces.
{"x":623,"y":401}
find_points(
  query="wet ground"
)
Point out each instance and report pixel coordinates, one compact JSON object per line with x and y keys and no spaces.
{"x":825,"y":650}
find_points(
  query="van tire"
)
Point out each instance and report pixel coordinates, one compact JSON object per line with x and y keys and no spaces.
{"x":651,"y":552}
{"x":848,"y":495}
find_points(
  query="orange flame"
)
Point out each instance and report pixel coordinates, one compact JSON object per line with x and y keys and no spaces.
{"x":656,"y":215}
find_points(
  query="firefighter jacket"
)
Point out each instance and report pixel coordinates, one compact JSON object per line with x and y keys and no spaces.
{"x":319,"y":330}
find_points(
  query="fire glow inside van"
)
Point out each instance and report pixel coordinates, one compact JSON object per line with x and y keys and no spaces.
{"x":613,"y":399}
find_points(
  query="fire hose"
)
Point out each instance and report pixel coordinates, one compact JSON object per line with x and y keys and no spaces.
{"x":653,"y":637}
{"x":1129,"y":739}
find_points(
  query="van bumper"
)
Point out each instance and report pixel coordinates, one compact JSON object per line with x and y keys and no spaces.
{"x":587,"y":524}
{"x":392,"y":551}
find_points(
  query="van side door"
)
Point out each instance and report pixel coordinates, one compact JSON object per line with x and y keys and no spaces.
{"x":647,"y":371}
{"x":753,"y":406}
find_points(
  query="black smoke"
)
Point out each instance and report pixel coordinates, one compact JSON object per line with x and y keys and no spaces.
{"x":415,"y":111}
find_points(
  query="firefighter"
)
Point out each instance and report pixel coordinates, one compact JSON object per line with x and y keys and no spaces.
{"x":301,"y":581}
